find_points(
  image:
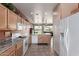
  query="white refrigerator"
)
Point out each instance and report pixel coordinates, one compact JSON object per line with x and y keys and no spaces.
{"x":69,"y":36}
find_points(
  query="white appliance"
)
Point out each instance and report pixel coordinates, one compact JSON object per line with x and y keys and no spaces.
{"x":25,"y":38}
{"x":69,"y":37}
{"x":34,"y":39}
{"x":25,"y":42}
{"x":15,"y":36}
{"x":25,"y":45}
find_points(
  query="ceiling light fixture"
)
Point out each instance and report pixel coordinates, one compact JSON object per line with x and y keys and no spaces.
{"x":31,"y":13}
{"x":55,"y":13}
{"x":45,"y":13}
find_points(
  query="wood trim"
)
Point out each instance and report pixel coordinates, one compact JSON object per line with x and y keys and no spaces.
{"x":55,"y":53}
{"x":75,"y":11}
{"x":78,"y":5}
{"x":56,"y":7}
{"x":43,"y":44}
{"x":3,"y":6}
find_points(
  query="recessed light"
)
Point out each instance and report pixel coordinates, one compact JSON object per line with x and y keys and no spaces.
{"x":55,"y":13}
{"x":37,"y":14}
{"x":45,"y":13}
{"x":31,"y":13}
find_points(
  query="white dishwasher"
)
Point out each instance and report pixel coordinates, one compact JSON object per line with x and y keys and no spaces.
{"x":34,"y":39}
{"x":25,"y":45}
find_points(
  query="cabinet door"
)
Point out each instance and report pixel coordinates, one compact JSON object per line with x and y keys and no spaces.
{"x":3,"y":17}
{"x":24,"y":24}
{"x":12,"y":53}
{"x":19,"y":51}
{"x":19,"y":19}
{"x":12,"y":20}
{"x":8,"y":52}
{"x":22,"y":21}
{"x":19,"y":23}
{"x":19,"y":48}
{"x":44,"y":39}
{"x":67,"y":8}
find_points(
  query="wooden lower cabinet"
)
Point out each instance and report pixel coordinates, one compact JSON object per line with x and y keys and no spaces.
{"x":15,"y":50}
{"x":9,"y":52}
{"x":44,"y":39}
{"x":12,"y":53}
{"x":19,"y":51}
{"x":19,"y":48}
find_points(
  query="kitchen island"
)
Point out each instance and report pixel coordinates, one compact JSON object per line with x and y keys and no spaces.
{"x":42,"y":39}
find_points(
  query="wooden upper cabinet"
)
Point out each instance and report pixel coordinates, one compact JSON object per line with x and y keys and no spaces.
{"x":44,"y":39}
{"x":67,"y":8}
{"x":8,"y":19}
{"x":12,"y":20}
{"x":58,"y":15}
{"x":19,"y":48}
{"x":19,"y":19}
{"x":3,"y":17}
{"x":22,"y":21}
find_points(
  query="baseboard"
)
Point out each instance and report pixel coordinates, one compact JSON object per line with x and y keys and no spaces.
{"x":55,"y":53}
{"x":42,"y":43}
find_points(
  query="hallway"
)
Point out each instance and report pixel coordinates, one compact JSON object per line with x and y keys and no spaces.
{"x":40,"y":50}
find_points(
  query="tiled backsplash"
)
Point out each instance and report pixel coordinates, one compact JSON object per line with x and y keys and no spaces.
{"x":2,"y":35}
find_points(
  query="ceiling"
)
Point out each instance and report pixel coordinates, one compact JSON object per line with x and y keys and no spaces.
{"x":32,"y":9}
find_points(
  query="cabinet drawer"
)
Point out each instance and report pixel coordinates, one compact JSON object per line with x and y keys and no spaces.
{"x":19,"y":51}
{"x":19,"y":44}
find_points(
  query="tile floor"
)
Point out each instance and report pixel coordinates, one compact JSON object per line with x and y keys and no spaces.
{"x":40,"y":50}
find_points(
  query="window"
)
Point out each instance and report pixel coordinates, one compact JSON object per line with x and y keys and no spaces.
{"x":48,"y":28}
{"x":40,"y":29}
{"x":37,"y":29}
{"x":42,"y":24}
{"x":48,"y":20}
{"x":38,"y":19}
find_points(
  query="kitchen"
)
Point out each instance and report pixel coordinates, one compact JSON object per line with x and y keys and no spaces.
{"x":39,"y":29}
{"x":14,"y":33}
